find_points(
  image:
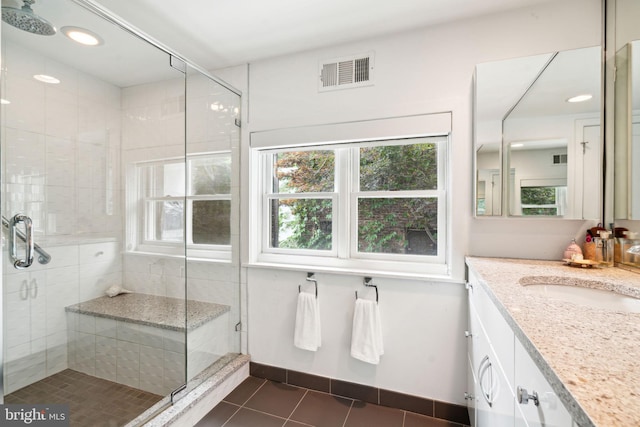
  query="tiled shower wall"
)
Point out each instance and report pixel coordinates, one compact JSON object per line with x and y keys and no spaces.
{"x":61,"y":154}
{"x":65,"y":149}
{"x":153,"y":129}
{"x":140,"y":356}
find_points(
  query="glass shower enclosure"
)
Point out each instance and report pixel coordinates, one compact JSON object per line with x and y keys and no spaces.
{"x":120,"y":207}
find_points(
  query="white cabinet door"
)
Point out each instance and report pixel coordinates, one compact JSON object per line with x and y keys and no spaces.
{"x":499,"y":333}
{"x":494,"y":401}
{"x":550,"y":412}
{"x":471,"y":396}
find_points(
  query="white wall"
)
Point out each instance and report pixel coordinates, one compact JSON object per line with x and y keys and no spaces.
{"x":418,"y":72}
{"x":423,"y":324}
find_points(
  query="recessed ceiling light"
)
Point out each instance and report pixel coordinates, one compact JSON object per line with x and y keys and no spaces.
{"x":82,"y":36}
{"x":4,"y":101}
{"x":580,"y":98}
{"x":46,"y":79}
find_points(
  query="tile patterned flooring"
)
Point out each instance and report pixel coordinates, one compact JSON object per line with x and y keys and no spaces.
{"x":92,"y":401}
{"x":259,"y":402}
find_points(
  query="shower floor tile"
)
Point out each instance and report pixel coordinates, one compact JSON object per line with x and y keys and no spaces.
{"x":92,"y":401}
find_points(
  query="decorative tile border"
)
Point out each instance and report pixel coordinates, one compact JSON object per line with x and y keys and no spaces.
{"x":432,"y":408}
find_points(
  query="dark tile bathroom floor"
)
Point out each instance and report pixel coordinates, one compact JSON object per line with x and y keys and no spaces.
{"x":262,"y":403}
{"x":92,"y":401}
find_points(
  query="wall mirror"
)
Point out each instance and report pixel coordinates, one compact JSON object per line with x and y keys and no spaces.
{"x":626,"y":165}
{"x":627,"y":132}
{"x":627,"y":113}
{"x":537,"y":151}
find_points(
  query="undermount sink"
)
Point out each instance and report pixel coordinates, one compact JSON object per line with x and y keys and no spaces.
{"x":586,"y":296}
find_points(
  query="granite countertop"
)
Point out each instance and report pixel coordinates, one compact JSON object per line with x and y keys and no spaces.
{"x":151,"y":310}
{"x":590,"y":355}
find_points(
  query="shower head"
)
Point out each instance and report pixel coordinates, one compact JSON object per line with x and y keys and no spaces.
{"x":26,"y":20}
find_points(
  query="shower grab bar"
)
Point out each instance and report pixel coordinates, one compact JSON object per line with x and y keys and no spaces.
{"x":10,"y":226}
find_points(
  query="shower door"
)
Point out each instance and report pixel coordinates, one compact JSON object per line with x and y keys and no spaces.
{"x":82,"y":131}
{"x":212,"y":225}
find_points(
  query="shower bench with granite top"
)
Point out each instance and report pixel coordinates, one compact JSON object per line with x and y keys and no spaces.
{"x":139,"y":340}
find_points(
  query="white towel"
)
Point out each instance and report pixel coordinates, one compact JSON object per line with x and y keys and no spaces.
{"x":366,"y":334}
{"x":307,"y":331}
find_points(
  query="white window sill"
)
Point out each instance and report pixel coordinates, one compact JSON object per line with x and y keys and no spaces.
{"x":367,"y":268}
{"x":226,"y":260}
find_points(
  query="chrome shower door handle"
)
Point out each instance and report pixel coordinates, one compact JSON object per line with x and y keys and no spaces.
{"x":29,"y":243}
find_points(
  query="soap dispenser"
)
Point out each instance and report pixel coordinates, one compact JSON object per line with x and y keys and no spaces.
{"x":573,"y":251}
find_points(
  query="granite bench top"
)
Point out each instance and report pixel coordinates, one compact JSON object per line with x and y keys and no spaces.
{"x":152,"y":310}
{"x":590,"y":355}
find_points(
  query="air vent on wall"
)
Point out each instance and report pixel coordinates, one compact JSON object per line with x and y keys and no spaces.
{"x":346,"y":72}
{"x":560,"y":159}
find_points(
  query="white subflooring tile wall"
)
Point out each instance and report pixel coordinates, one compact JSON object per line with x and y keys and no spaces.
{"x":153,"y":129}
{"x":59,"y":144}
{"x":140,"y":356}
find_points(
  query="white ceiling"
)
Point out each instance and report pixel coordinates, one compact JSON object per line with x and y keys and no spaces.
{"x":220,"y":33}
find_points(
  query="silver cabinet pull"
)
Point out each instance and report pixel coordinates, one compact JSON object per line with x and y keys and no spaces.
{"x":28,"y":240}
{"x":484,"y":368}
{"x":524,"y":397}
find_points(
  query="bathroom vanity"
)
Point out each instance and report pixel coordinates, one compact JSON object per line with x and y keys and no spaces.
{"x":552,"y":345}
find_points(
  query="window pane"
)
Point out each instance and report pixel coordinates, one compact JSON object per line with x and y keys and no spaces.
{"x":301,"y":224}
{"x":168,"y":221}
{"x":543,"y":200}
{"x":211,"y":175}
{"x":398,"y":226}
{"x":304,"y":171}
{"x":399,"y":167}
{"x":540,"y":211}
{"x":163,"y":180}
{"x":210,"y":223}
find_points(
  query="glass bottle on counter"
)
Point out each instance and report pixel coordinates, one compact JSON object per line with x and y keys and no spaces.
{"x":604,"y":249}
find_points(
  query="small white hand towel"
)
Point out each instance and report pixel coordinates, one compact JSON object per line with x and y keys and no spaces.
{"x":307,"y":330}
{"x":366,"y":334}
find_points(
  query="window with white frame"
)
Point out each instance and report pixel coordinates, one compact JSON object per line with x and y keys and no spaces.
{"x":177,"y":206}
{"x":361,"y":202}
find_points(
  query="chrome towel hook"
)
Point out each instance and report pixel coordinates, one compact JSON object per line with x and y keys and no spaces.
{"x":311,"y":277}
{"x":368,"y":281}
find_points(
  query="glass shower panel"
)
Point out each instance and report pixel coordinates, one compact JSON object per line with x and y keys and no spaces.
{"x":91,"y":141}
{"x":212,"y":219}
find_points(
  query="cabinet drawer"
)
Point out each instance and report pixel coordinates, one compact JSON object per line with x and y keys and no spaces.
{"x":550,"y":412}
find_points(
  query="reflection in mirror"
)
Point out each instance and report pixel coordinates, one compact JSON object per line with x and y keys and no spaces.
{"x":498,"y":87}
{"x":627,"y":146}
{"x":626,"y":103}
{"x":538,"y":183}
{"x":488,"y":182}
{"x":551,"y":139}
